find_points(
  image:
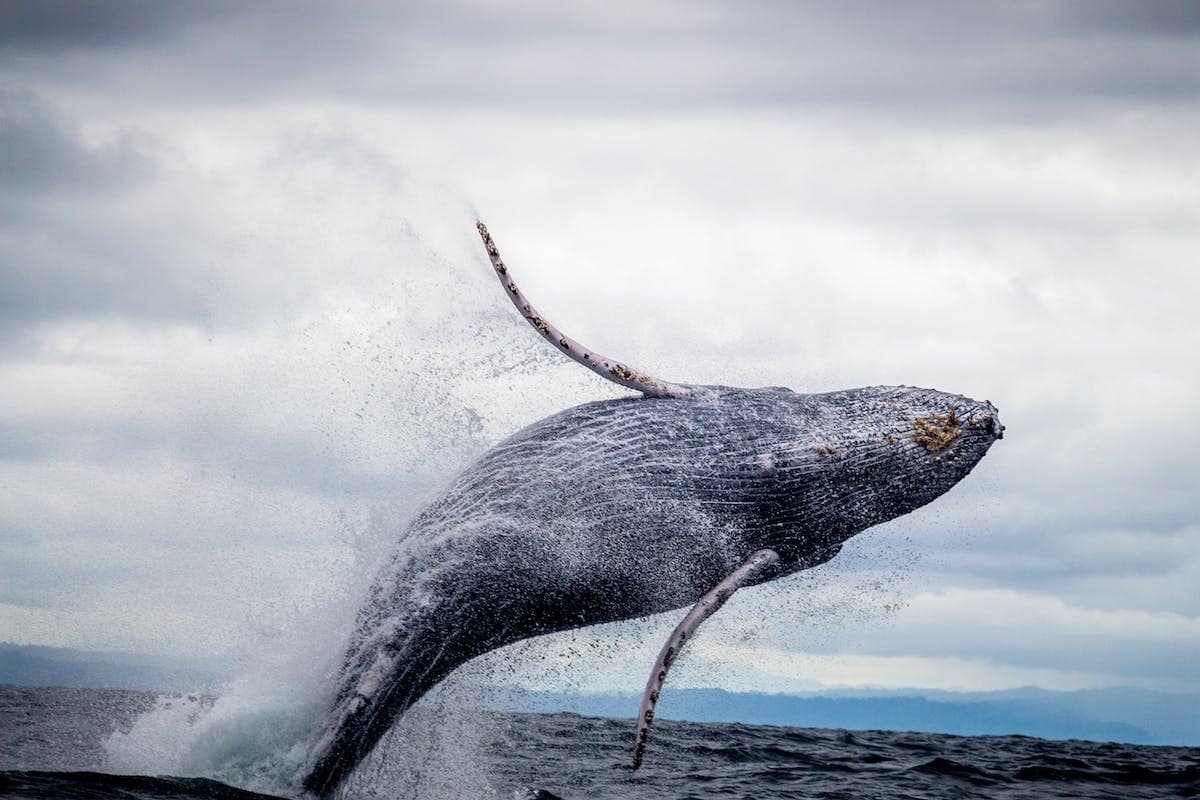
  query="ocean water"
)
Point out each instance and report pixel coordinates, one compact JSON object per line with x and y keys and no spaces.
{"x":56,"y":743}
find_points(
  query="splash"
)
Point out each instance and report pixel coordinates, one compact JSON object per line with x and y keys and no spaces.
{"x":393,"y":379}
{"x":412,"y":377}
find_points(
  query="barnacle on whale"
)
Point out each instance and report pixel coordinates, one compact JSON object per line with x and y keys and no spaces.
{"x":937,"y":431}
{"x":623,"y":372}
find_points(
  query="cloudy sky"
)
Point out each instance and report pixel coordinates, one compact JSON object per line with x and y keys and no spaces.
{"x":246,"y":325}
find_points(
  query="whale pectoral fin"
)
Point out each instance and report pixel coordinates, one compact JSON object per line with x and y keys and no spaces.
{"x":705,"y":607}
{"x":605,"y":367}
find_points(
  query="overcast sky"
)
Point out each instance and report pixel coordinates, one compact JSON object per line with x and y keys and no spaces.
{"x":246,"y":324}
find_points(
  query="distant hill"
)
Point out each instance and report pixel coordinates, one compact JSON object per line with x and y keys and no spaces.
{"x":25,"y":665}
{"x":1136,"y":716}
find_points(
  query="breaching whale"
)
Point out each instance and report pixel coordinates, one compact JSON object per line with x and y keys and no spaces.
{"x":623,"y":508}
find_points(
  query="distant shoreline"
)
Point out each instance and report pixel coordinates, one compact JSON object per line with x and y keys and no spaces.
{"x":1127,"y":715}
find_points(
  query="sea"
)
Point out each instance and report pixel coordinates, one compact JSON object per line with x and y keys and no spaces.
{"x":66,"y":743}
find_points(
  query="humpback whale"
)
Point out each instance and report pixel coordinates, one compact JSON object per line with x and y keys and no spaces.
{"x":623,"y":508}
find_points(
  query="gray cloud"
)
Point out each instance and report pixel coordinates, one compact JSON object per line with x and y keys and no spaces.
{"x":40,"y":150}
{"x":244,"y":322}
{"x":61,"y":24}
{"x":1160,"y":18}
{"x":128,"y":228}
{"x":959,"y":60}
{"x":67,"y":248}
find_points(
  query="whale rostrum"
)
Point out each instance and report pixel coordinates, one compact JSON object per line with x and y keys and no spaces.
{"x":620,"y":509}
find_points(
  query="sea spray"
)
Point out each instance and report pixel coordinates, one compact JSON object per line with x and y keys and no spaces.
{"x":254,"y":732}
{"x":394,"y":384}
{"x":411,"y":397}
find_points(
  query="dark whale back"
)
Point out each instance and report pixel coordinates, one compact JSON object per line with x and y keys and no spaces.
{"x":623,"y":508}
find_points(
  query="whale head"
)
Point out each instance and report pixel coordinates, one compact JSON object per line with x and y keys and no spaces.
{"x":831,"y":465}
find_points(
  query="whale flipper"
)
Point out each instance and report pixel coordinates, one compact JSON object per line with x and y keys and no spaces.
{"x":603,"y":366}
{"x":705,"y":607}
